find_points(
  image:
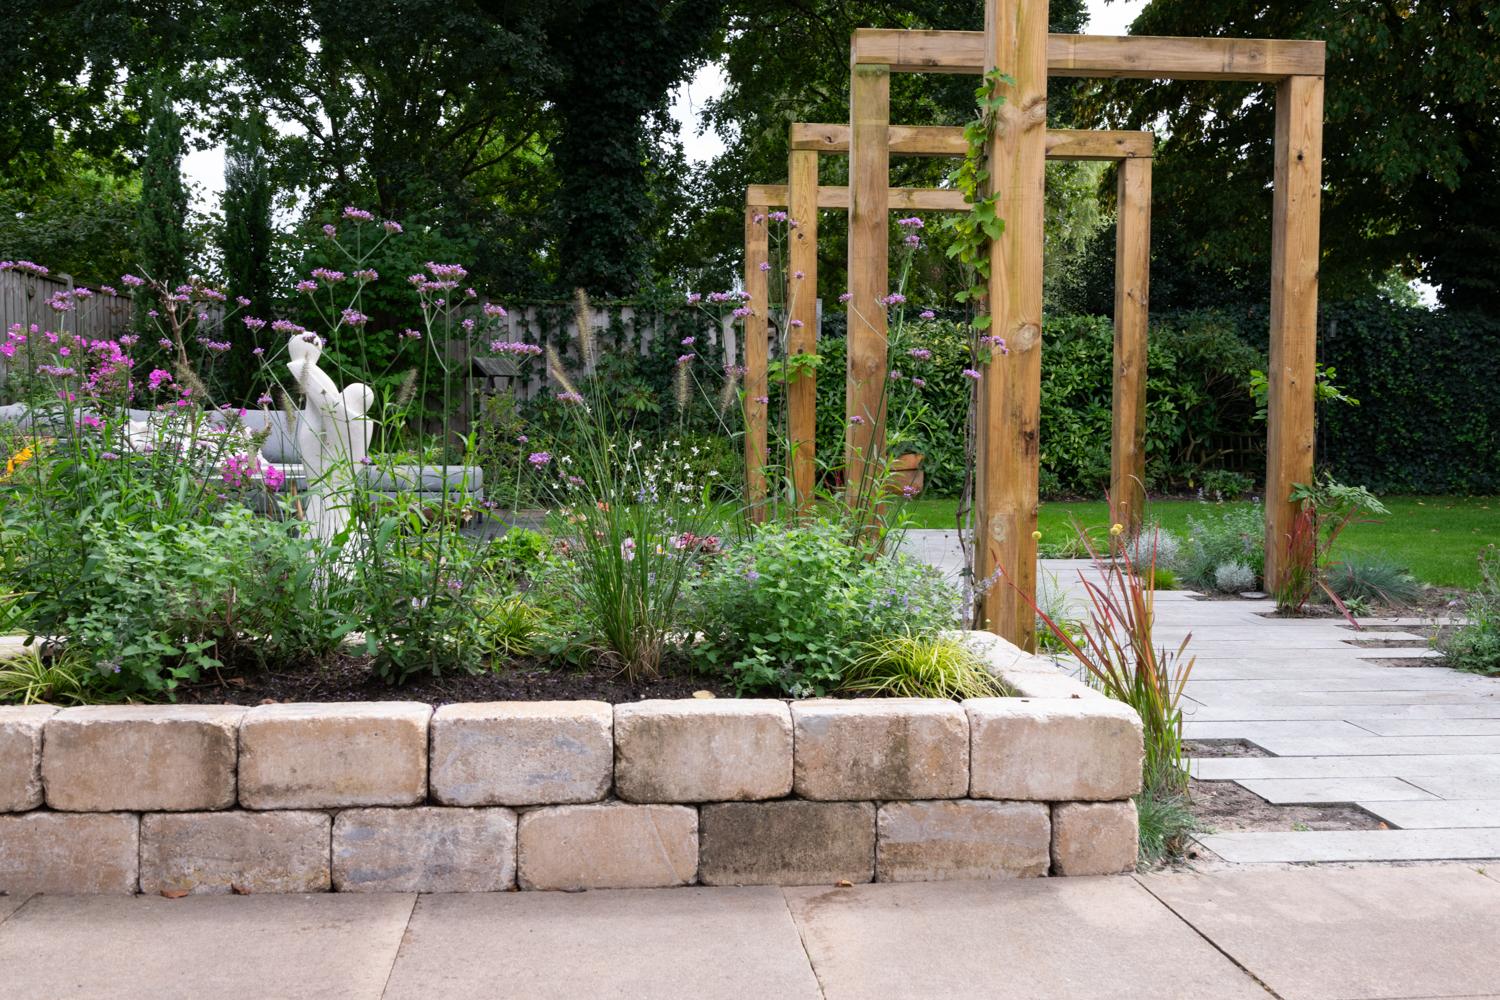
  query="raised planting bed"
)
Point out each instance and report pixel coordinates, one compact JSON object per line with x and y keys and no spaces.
{"x":486,"y":796}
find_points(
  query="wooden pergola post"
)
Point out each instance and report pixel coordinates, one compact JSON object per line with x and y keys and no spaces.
{"x":869,"y":275}
{"x":802,"y":323}
{"x":1294,"y":309}
{"x":757,"y":252}
{"x":1010,"y":387}
{"x":1127,"y":454}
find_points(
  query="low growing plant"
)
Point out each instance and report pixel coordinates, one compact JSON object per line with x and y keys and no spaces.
{"x":920,"y":665}
{"x":1234,"y":535}
{"x":66,"y":678}
{"x":1475,"y":645}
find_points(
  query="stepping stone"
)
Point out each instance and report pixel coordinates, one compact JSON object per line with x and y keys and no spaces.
{"x":1257,"y":731}
{"x":1388,"y":745}
{"x":1431,"y":727}
{"x":693,"y":942}
{"x":271,"y":947}
{"x":1323,"y":791}
{"x":1354,"y":845}
{"x":1460,"y":786}
{"x":1341,"y":934}
{"x":1438,"y":813}
{"x":10,"y":904}
{"x":1060,"y":938}
{"x":1413,"y":765}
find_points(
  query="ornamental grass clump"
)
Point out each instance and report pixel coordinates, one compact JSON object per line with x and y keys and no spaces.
{"x":920,"y":665}
{"x":1116,"y":650}
{"x":1475,"y":645}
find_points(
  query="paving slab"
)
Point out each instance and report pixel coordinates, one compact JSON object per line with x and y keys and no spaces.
{"x":1321,"y":791}
{"x":273,"y":947}
{"x":1353,"y":845}
{"x":1044,"y":938}
{"x":1429,"y":727}
{"x":10,"y":904}
{"x":1459,"y":786}
{"x":1293,"y":698}
{"x":1408,"y":765}
{"x":1437,"y":814}
{"x":1363,"y":746}
{"x":1346,"y":934}
{"x":1256,"y":731}
{"x":698,"y":942}
{"x":1478,"y":709}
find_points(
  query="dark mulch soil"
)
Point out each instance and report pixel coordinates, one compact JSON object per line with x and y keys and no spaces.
{"x":344,"y":677}
{"x":1226,"y":807}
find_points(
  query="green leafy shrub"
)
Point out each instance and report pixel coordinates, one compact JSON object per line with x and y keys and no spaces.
{"x":789,"y":608}
{"x":1224,"y":485}
{"x":920,"y":665}
{"x":1475,"y":646}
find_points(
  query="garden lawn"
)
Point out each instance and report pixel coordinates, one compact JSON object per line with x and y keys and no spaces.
{"x":1435,"y":538}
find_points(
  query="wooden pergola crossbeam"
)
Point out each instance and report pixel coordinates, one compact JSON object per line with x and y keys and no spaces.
{"x":1140,"y":57}
{"x":948,"y":141}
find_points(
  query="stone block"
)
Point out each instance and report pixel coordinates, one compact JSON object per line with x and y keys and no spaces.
{"x":607,"y":845}
{"x":1050,"y":750}
{"x":21,"y":756}
{"x":946,"y":840}
{"x":522,"y":753}
{"x":209,"y":852}
{"x":1094,"y":838}
{"x":332,"y":756}
{"x":80,"y":853}
{"x":426,"y":849}
{"x":885,"y":748}
{"x":720,"y":750}
{"x":144,"y":758}
{"x":791,"y":842}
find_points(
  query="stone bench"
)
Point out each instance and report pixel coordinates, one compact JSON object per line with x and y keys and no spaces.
{"x":392,"y":796}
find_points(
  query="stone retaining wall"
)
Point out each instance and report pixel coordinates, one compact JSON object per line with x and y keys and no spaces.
{"x":394,"y":797}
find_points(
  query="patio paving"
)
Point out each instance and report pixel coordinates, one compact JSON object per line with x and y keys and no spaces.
{"x":1300,"y":934}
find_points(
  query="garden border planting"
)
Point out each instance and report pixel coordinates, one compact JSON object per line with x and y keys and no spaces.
{"x":392,"y":796}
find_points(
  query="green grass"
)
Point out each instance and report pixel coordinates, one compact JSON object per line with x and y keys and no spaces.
{"x":1435,"y":538}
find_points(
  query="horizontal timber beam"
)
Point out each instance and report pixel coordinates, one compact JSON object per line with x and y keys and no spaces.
{"x":948,"y":140}
{"x":837,"y":198}
{"x":1141,"y":57}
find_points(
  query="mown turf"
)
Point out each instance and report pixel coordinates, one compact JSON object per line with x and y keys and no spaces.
{"x":1436,"y":538}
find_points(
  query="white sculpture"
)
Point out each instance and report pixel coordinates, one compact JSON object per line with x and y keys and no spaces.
{"x":333,"y":435}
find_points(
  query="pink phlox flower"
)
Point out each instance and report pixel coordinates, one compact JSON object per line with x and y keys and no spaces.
{"x":274,"y":478}
{"x":158,"y":378}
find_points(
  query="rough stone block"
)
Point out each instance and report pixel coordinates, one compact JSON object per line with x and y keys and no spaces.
{"x":21,"y":756}
{"x":608,"y":845}
{"x":82,"y":853}
{"x":1025,"y":674}
{"x":1094,"y":838}
{"x":1051,"y":750}
{"x":143,"y":758}
{"x":944,"y":841}
{"x":886,"y":748}
{"x":723,"y":750}
{"x":210,"y":852}
{"x":329,"y":756}
{"x":427,"y":849}
{"x":787,"y":843}
{"x":522,"y":753}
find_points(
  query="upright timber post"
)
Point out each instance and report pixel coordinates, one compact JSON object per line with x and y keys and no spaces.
{"x":1127,"y":478}
{"x":802,"y":321}
{"x":1294,"y":308}
{"x":1015,"y":42}
{"x":869,"y":264}
{"x":757,"y":252}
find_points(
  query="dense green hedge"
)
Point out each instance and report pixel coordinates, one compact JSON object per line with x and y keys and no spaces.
{"x":1428,"y":383}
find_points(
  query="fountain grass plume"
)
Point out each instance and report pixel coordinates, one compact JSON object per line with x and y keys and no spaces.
{"x":582,"y":314}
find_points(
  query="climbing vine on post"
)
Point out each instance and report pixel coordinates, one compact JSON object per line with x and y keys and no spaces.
{"x":976,"y":230}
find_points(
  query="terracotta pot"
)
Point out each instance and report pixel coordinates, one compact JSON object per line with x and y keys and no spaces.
{"x":905,"y":476}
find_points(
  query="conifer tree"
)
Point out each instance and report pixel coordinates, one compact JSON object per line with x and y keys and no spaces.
{"x":247,"y":238}
{"x":164,"y":202}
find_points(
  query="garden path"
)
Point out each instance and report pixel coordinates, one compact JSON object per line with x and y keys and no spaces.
{"x":1415,"y":744}
{"x":1303,"y":933}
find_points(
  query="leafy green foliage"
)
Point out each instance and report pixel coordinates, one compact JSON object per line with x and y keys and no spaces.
{"x":788,"y":608}
{"x":65,"y":678}
{"x":83,"y":224}
{"x":1237,"y":535}
{"x":1475,"y":646}
{"x":920,"y":665}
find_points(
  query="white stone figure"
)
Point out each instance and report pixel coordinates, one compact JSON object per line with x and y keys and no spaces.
{"x":333,"y":435}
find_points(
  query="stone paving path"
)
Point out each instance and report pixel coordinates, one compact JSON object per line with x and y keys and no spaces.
{"x":1414,"y":744}
{"x":1302,"y":934}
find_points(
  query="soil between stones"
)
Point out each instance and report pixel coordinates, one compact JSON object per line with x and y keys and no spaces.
{"x":1227,"y":807}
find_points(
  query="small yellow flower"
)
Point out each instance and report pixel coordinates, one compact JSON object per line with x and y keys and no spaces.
{"x":1117,"y":529}
{"x":1036,"y":534}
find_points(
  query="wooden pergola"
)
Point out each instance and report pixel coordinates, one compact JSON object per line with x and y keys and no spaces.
{"x":1016,"y":42}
